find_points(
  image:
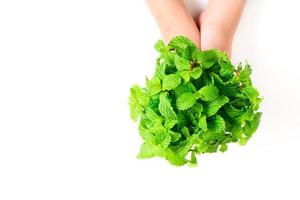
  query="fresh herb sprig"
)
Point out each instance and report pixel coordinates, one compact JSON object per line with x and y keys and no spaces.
{"x":195,"y":103}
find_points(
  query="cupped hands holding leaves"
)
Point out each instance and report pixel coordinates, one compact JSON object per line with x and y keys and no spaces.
{"x":214,"y":28}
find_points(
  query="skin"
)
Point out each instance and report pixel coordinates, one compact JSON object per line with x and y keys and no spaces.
{"x":173,"y":19}
{"x":216,"y":24}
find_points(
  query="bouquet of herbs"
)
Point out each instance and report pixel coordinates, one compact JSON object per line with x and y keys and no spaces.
{"x":196,"y":102}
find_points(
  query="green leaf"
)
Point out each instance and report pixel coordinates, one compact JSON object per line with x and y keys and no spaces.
{"x":213,"y":139}
{"x":174,"y":158}
{"x":216,"y":124}
{"x":165,"y":107}
{"x":185,"y":101}
{"x":148,"y":151}
{"x":215,"y":105}
{"x":167,"y":58}
{"x":224,"y":147}
{"x":153,"y":127}
{"x":185,"y":131}
{"x":223,"y":57}
{"x":232,"y":111}
{"x":185,"y":75}
{"x":196,"y":73}
{"x":217,"y":79}
{"x":154,"y":101}
{"x":202,"y":124}
{"x":137,"y":100}
{"x":151,"y":115}
{"x":135,"y":110}
{"x":251,"y":126}
{"x":181,"y":89}
{"x":208,"y":93}
{"x":193,"y":160}
{"x":153,"y":86}
{"x":170,"y":82}
{"x":146,"y":134}
{"x":160,"y":69}
{"x":236,"y":131}
{"x":169,"y":123}
{"x":244,"y":74}
{"x":186,"y":145}
{"x":229,"y":89}
{"x":182,"y":119}
{"x":226,"y":70}
{"x":181,"y":43}
{"x":174,"y":136}
{"x":160,"y":46}
{"x":181,"y":63}
{"x":208,"y":58}
{"x":197,"y":109}
{"x":192,"y":119}
{"x":163,"y":139}
{"x":251,"y":93}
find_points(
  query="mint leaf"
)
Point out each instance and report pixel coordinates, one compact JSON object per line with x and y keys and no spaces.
{"x":185,"y":131}
{"x":160,"y":46}
{"x":170,"y":82}
{"x":185,"y":101}
{"x":224,"y":147}
{"x":137,"y":100}
{"x":153,"y":86}
{"x":185,"y":75}
{"x":243,"y":74}
{"x":193,"y":160}
{"x":208,"y":93}
{"x":181,"y":63}
{"x":196,"y":73}
{"x":202,"y":124}
{"x":217,"y":124}
{"x":251,"y":127}
{"x":175,"y":136}
{"x":148,"y":151}
{"x":208,"y":58}
{"x":189,"y":87}
{"x":165,"y":107}
{"x":226,"y":70}
{"x":181,"y":43}
{"x":163,"y":139}
{"x":232,"y":111}
{"x":160,"y":69}
{"x":215,"y":105}
{"x":174,"y":158}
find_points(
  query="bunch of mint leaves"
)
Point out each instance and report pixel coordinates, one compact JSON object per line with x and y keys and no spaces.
{"x":195,"y":103}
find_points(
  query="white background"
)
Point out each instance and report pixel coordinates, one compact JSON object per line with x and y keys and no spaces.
{"x":65,"y":133}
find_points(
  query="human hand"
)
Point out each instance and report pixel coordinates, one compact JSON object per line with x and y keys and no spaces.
{"x":216,"y":24}
{"x":173,"y":19}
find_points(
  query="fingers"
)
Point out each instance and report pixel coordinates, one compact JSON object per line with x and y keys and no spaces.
{"x":173,"y":19}
{"x":214,"y":37}
{"x":218,"y":24}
